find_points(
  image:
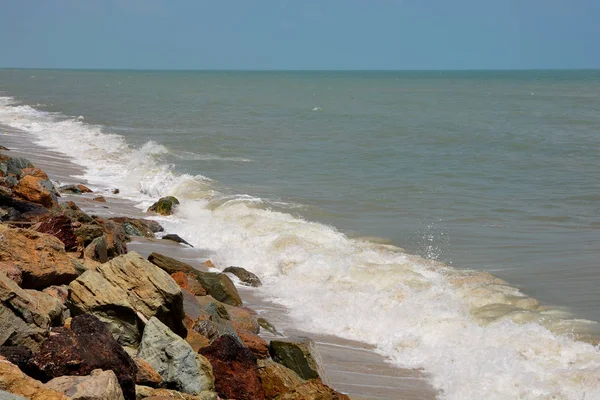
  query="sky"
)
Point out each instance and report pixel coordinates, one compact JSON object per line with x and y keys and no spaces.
{"x":300,"y":35}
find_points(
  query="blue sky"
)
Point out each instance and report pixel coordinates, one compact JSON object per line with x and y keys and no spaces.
{"x":308,"y":34}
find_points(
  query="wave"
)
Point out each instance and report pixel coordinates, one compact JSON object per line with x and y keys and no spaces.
{"x":477,"y":336}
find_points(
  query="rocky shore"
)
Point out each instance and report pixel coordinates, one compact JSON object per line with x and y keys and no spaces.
{"x":84,"y":318}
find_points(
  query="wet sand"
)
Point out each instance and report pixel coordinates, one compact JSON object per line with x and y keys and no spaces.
{"x":351,"y":367}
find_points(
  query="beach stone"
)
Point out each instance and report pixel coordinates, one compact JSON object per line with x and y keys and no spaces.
{"x":84,"y":189}
{"x":99,"y":199}
{"x":40,"y":257}
{"x":126,"y":291}
{"x":61,"y":227}
{"x":97,"y":250}
{"x":75,"y":213}
{"x":13,"y":380}
{"x":276,"y":379}
{"x":23,"y":321}
{"x":248,"y":278}
{"x":300,"y":355}
{"x":174,"y":359}
{"x":138,"y":226}
{"x":99,"y":385}
{"x":145,"y":392}
{"x":175,"y":238}
{"x":235,"y":369}
{"x":87,"y":346}
{"x":60,"y":293}
{"x":35,"y":172}
{"x":36,"y":190}
{"x":244,"y":318}
{"x":168,"y":264}
{"x":116,"y":238}
{"x":269,"y":327}
{"x":48,"y":305}
{"x":71,"y":189}
{"x":313,"y":390}
{"x":165,"y":205}
{"x":87,"y":232}
{"x":189,"y":283}
{"x":146,"y":375}
{"x":14,"y":165}
{"x":9,"y":396}
{"x":255,"y":343}
{"x":11,"y":270}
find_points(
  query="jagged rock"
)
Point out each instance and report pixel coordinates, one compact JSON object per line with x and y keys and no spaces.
{"x":14,"y":165}
{"x":175,"y":238}
{"x":313,"y":390}
{"x":245,"y":276}
{"x":61,"y":227}
{"x":189,"y":283}
{"x":14,"y":381}
{"x":87,"y":346}
{"x":86,"y":233}
{"x":235,"y":369}
{"x":146,"y":375}
{"x":300,"y":355}
{"x":35,"y":172}
{"x":217,"y":285}
{"x":125,"y":288}
{"x":97,"y":250}
{"x":23,"y":322}
{"x":99,"y":199}
{"x":9,"y":396}
{"x":48,"y":305}
{"x":4,"y":148}
{"x":36,"y":190}
{"x":174,"y":359}
{"x":71,"y":189}
{"x":116,"y":238}
{"x":244,"y":318}
{"x":61,"y":293}
{"x":71,"y":210}
{"x":17,"y":355}
{"x":145,"y":392}
{"x":99,"y":385}
{"x":84,"y":189}
{"x":165,"y":205}
{"x":139,"y":227}
{"x":269,"y":327}
{"x":40,"y":257}
{"x":255,"y":343}
{"x":115,"y":191}
{"x":277,"y":379}
{"x":11,"y":270}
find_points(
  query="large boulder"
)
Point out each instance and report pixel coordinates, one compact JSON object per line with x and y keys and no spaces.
{"x":246,"y":277}
{"x":277,"y":379}
{"x":62,"y":228}
{"x":146,"y":375}
{"x":189,"y":283}
{"x":12,"y":271}
{"x":139,"y":227}
{"x":313,"y":390}
{"x":146,"y":392}
{"x":235,"y":369}
{"x":300,"y":355}
{"x":217,"y":285}
{"x":40,"y":257}
{"x":13,"y":380}
{"x":127,"y":291}
{"x":174,"y":359}
{"x":87,"y":346}
{"x":24,"y":319}
{"x":37,"y":190}
{"x":99,"y":385}
{"x":165,"y":205}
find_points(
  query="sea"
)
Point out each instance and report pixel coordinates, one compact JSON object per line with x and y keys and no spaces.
{"x":450,"y":218}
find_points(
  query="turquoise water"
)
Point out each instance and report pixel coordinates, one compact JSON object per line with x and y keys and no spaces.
{"x":307,"y":177}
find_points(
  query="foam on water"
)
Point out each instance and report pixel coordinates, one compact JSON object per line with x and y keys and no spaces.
{"x":478,"y":337}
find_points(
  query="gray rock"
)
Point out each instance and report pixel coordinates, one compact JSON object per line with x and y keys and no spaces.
{"x":174,"y":359}
{"x":245,"y":276}
{"x":9,"y":396}
{"x":175,"y":238}
{"x":300,"y":355}
{"x":100,"y":385}
{"x":15,"y":164}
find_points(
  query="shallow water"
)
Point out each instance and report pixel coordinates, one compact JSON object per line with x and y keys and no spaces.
{"x":490,"y":171}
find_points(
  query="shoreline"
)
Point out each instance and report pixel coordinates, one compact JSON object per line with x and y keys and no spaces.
{"x":353,"y":367}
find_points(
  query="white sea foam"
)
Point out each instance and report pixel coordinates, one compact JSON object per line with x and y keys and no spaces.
{"x":478,"y":337}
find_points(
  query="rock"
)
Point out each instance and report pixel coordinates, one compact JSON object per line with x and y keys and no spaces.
{"x":71,"y":189}
{"x":174,"y":359}
{"x":61,"y":227}
{"x":35,"y":172}
{"x":165,"y":205}
{"x":71,"y":210}
{"x":300,"y":355}
{"x":97,"y":250}
{"x":235,"y":369}
{"x":145,"y":392}
{"x":139,"y":227}
{"x":60,"y":293}
{"x":14,"y":381}
{"x":313,"y":390}
{"x":99,"y":385}
{"x":116,"y":238}
{"x":48,"y":305}
{"x":196,"y":340}
{"x":11,"y":270}
{"x":217,"y":285}
{"x":269,"y":327}
{"x":213,"y":330}
{"x":245,"y":318}
{"x":36,"y":190}
{"x":22,"y":321}
{"x":84,"y":189}
{"x":17,"y":355}
{"x":99,"y":199}
{"x":89,"y":345}
{"x":277,"y":379}
{"x":175,"y":238}
{"x":40,"y":257}
{"x":9,"y":396}
{"x":255,"y":343}
{"x":13,"y":209}
{"x":189,"y":283}
{"x":115,"y":191}
{"x":14,"y":165}
{"x":125,"y":288}
{"x":246,"y":277}
{"x":146,"y":375}
{"x":4,"y":148}
{"x":86,"y":233}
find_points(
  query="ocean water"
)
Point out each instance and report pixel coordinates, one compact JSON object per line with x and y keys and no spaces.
{"x":450,"y":218}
